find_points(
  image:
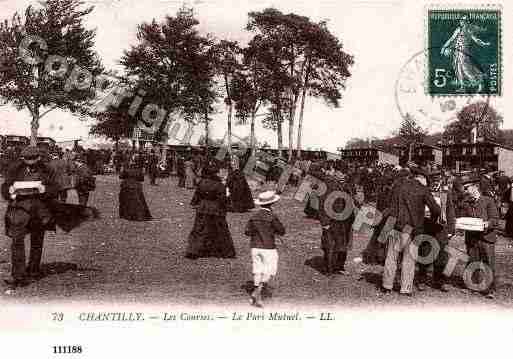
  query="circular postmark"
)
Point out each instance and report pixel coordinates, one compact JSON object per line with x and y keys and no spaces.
{"x":433,"y":112}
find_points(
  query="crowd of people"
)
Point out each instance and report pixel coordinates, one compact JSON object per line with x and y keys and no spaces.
{"x":401,"y":194}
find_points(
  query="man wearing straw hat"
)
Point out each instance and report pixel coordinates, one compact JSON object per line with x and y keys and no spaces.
{"x":263,"y":227}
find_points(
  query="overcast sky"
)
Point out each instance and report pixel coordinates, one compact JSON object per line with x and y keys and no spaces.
{"x":382,"y":35}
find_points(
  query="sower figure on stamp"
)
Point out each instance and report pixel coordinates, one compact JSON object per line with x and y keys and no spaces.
{"x":28,"y":214}
{"x":407,"y":209}
{"x":459,"y":46}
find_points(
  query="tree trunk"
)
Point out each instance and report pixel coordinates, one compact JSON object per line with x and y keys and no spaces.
{"x":292,"y":116}
{"x":207,"y":135}
{"x":292,"y":111}
{"x":279,"y":132}
{"x":291,"y":138}
{"x":230,"y":111}
{"x":34,"y":127}
{"x":252,"y":132}
{"x":300,"y":124}
{"x":301,"y":111}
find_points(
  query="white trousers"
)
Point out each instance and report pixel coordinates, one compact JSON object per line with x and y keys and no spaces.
{"x":397,"y":245}
{"x":265,"y":264}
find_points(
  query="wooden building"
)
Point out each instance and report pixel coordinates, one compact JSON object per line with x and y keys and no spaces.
{"x":368,"y":156}
{"x":46,"y":143}
{"x":15,"y":141}
{"x":272,"y":152}
{"x":482,"y":154}
{"x":307,"y":155}
{"x":463,"y":156}
{"x":421,"y":154}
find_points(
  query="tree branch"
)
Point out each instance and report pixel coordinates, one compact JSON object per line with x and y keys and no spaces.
{"x":47,"y":111}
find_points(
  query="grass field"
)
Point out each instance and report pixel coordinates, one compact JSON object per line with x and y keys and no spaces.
{"x":113,"y":260}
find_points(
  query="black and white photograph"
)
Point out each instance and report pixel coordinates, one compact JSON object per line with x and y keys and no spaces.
{"x":256,"y":178}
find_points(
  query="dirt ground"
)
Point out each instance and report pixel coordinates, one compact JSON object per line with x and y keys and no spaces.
{"x":113,"y":260}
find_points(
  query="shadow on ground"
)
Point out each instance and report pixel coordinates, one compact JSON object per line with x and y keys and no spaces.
{"x":48,"y":269}
{"x":316,"y":263}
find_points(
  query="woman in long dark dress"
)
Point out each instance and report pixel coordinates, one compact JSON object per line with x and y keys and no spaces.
{"x":241,"y":198}
{"x":190,"y":173}
{"x":509,"y":214}
{"x":180,"y":171}
{"x":210,"y":236}
{"x":312,"y":198}
{"x":132,"y":204}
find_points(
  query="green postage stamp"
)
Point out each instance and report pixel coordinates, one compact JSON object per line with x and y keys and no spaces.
{"x":464,"y":51}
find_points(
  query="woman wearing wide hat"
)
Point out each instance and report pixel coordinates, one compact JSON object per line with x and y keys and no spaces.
{"x":86,"y":182}
{"x":241,"y":199}
{"x":132,"y":203}
{"x":210,"y":236}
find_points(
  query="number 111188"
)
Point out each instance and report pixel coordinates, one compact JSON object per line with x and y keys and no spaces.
{"x":67,"y":349}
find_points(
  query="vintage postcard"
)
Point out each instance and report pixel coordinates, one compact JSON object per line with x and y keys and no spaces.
{"x":256,"y":178}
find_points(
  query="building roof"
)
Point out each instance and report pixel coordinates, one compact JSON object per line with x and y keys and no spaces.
{"x":362,"y":149}
{"x":492,"y":143}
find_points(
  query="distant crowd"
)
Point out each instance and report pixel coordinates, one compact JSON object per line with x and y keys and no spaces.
{"x":401,"y":194}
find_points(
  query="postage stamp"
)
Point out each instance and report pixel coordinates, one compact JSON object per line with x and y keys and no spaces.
{"x":464,"y":56}
{"x":432,"y":112}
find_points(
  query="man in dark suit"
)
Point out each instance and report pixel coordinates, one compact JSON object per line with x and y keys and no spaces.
{"x":481,"y":245}
{"x":336,"y":215}
{"x":503,"y":185}
{"x":153,"y":162}
{"x":28,"y":214}
{"x":63,"y":169}
{"x":409,"y":199}
{"x":439,"y":234}
{"x":86,"y":182}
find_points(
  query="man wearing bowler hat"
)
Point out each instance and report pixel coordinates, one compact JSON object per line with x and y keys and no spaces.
{"x":28,"y":212}
{"x":481,"y":244}
{"x":437,"y":231}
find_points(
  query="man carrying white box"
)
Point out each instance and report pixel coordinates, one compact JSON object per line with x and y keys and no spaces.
{"x":28,"y":187}
{"x":480,"y":221}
